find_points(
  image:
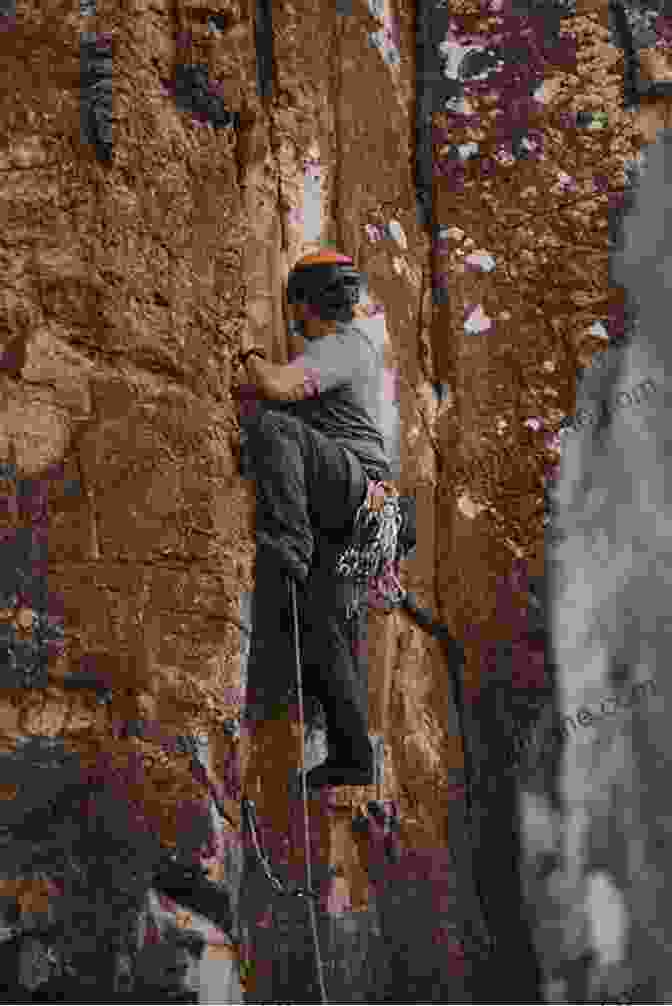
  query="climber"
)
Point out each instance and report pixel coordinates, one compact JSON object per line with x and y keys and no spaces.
{"x":314,"y":443}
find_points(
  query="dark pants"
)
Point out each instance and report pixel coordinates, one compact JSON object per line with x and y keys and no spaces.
{"x":308,"y":492}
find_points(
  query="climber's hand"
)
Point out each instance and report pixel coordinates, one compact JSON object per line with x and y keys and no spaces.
{"x":246,"y":340}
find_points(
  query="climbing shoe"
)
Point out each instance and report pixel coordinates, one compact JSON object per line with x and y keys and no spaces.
{"x":380,"y":824}
{"x":335,"y":772}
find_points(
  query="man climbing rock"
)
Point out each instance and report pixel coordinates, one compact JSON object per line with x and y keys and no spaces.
{"x":317,"y":430}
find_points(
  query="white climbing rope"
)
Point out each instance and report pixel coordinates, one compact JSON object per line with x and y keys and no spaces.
{"x":304,"y":788}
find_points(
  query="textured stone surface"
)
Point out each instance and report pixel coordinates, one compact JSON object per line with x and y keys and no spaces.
{"x":126,"y":288}
{"x":127,"y":285}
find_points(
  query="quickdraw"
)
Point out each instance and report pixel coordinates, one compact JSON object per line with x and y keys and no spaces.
{"x":374,"y":539}
{"x":371,"y":559}
{"x":249,"y":812}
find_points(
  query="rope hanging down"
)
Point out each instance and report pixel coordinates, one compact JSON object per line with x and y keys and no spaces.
{"x":311,"y":902}
{"x":249,"y":815}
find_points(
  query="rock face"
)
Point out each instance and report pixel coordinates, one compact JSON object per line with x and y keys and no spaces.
{"x":144,"y":229}
{"x":602,"y":917}
{"x":138,"y":240}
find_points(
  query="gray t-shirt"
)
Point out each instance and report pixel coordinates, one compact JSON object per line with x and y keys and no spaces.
{"x":353,"y":398}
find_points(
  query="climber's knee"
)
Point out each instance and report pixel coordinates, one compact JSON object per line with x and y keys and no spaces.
{"x":278,"y":426}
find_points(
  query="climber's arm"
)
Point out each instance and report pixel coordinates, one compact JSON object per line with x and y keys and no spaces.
{"x":284,"y":382}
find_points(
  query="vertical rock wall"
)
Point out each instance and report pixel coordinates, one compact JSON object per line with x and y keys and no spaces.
{"x":127,"y":282}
